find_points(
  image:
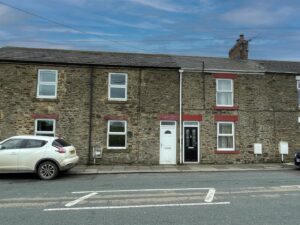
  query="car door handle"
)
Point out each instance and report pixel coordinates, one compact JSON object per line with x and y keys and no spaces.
{"x":13,"y":153}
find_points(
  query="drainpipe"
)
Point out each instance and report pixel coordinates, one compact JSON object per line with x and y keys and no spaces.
{"x":180,"y":115}
{"x":91,"y":86}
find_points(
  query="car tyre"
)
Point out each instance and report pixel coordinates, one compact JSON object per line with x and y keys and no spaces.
{"x":47,"y":170}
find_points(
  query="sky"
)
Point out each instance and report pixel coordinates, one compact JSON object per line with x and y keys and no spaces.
{"x":181,"y":27}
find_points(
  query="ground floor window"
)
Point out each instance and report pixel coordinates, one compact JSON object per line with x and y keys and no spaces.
{"x":45,"y":127}
{"x":116,"y":134}
{"x":225,"y":136}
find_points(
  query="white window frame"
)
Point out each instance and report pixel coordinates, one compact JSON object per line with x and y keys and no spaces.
{"x":219,"y":91}
{"x":47,"y":83}
{"x":116,"y":133}
{"x":117,"y":86}
{"x":36,"y":132}
{"x":225,"y":135}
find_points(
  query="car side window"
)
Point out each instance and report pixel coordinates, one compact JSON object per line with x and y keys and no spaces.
{"x":12,"y":144}
{"x":34,"y":143}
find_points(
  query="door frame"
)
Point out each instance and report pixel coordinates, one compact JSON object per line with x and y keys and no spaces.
{"x":197,"y":125}
{"x":175,"y":129}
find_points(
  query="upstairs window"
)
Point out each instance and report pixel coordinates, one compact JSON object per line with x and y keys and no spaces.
{"x":47,"y":84}
{"x":117,"y":134}
{"x":45,"y":127}
{"x":117,"y":89}
{"x":225,"y":136}
{"x":224,"y":93}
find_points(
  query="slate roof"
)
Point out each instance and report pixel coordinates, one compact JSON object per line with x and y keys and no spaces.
{"x":143,"y":60}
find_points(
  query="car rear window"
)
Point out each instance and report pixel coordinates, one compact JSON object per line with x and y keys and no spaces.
{"x":60,"y":143}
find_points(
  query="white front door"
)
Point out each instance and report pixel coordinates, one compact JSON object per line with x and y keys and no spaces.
{"x":167,"y":142}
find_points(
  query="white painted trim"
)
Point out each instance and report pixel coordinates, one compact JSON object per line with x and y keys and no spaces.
{"x":36,"y":132}
{"x":46,"y":83}
{"x":298,"y":78}
{"x":117,"y":86}
{"x":116,"y":133}
{"x":232,"y":92}
{"x":198,"y":128}
{"x":226,"y":135}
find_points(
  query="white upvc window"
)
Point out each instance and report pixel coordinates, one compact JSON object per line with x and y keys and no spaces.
{"x":116,"y":134}
{"x":45,"y":127}
{"x":117,"y":86}
{"x":225,"y":133}
{"x":47,"y":83}
{"x":224,"y":95}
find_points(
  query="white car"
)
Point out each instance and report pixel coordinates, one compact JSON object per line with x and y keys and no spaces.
{"x":44,"y":155}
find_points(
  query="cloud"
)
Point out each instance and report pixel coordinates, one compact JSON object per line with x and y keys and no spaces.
{"x":159,"y":4}
{"x":258,"y":15}
{"x":76,"y":2}
{"x":140,"y":25}
{"x":9,"y":16}
{"x":71,"y":31}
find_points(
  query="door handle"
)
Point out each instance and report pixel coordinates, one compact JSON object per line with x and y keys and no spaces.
{"x":13,"y":153}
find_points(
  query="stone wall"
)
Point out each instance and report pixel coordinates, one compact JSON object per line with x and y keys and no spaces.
{"x":148,"y":96}
{"x":18,"y":90}
{"x":267,"y":110}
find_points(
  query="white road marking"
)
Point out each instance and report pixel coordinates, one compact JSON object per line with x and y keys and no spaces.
{"x":210,"y":195}
{"x":290,"y":186}
{"x":80,"y":199}
{"x":141,"y":190}
{"x":135,"y":206}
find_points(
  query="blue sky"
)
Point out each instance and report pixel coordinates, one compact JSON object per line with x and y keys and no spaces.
{"x":184,"y":27}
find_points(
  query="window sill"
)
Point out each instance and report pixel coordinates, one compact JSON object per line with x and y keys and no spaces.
{"x":227,"y":152}
{"x":235,"y":107}
{"x":115,"y":150}
{"x":46,"y":100}
{"x":116,"y":102}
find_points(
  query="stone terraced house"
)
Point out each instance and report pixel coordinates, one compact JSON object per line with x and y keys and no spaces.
{"x":153,"y":109}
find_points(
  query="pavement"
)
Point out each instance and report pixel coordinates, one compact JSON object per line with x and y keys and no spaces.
{"x":123,"y":169}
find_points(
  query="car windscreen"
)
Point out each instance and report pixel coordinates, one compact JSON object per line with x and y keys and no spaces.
{"x":60,"y":143}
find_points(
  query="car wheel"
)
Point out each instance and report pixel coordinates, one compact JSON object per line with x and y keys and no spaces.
{"x":47,"y":170}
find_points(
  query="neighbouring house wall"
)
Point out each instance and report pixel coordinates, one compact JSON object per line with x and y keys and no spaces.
{"x":18,"y":91}
{"x":267,"y":110}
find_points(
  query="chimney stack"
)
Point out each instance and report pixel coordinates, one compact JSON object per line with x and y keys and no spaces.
{"x":240,"y":49}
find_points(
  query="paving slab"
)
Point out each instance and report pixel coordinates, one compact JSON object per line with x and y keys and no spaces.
{"x":115,"y":169}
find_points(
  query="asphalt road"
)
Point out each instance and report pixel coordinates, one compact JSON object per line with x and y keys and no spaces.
{"x":208,"y":198}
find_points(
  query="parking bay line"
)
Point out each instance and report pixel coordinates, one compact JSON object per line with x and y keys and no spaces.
{"x":141,"y":190}
{"x":210,"y":195}
{"x":136,"y":206}
{"x":72,"y":203}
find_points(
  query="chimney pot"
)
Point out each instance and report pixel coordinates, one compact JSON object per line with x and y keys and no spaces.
{"x":240,"y":49}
